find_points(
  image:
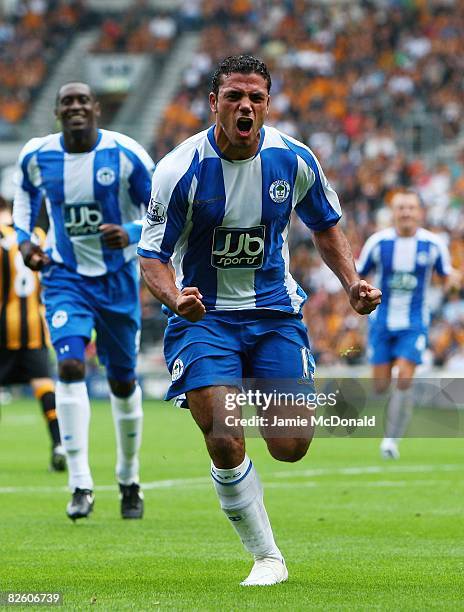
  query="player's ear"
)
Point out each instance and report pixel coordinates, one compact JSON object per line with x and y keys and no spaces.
{"x":268,"y":103}
{"x":97,"y":109}
{"x":213,"y":102}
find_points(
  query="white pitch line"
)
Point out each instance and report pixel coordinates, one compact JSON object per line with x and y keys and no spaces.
{"x":22,"y":419}
{"x":203,"y":481}
{"x":372,"y":469}
{"x":308,"y":484}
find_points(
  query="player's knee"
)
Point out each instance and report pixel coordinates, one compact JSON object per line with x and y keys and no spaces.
{"x":288,"y":450}
{"x":121,"y":388}
{"x":404,"y":383}
{"x":71,"y":370}
{"x":381,"y":385}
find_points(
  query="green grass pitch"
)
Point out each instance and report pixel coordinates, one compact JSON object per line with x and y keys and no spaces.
{"x":357,"y":533}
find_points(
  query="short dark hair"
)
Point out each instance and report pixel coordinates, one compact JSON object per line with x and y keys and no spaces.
{"x":57,"y":97}
{"x":245,"y":64}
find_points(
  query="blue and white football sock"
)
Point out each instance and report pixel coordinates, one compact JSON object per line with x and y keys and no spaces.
{"x":399,"y":412}
{"x":241,"y":497}
{"x":73,"y":411}
{"x":128,"y":421}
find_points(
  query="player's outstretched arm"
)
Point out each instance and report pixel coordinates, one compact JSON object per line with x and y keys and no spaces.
{"x":33,"y":256}
{"x":159,"y":280}
{"x":335,"y":250}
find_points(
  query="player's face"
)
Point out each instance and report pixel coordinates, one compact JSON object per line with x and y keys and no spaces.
{"x":77,"y":109}
{"x":407,"y":213}
{"x":240,"y":107}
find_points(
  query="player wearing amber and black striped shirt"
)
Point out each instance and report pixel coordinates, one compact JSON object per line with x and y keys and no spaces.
{"x":23,"y":331}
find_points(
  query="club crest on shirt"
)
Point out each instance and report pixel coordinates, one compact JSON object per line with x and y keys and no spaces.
{"x":422,"y":258}
{"x":59,"y":319}
{"x":156,"y":213}
{"x":279,"y":191}
{"x":105,"y":176}
{"x":177,"y":370}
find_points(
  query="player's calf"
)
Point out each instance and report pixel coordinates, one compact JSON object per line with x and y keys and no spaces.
{"x":226,"y":452}
{"x":225,"y":444}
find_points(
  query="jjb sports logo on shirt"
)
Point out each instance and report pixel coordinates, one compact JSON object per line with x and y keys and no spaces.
{"x":402,"y":281}
{"x":238,"y":247}
{"x":82,"y":218}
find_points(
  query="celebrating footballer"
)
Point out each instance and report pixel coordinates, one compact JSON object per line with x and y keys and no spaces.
{"x":220,"y":211}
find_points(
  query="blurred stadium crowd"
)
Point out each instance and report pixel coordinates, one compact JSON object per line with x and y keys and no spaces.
{"x":139,"y":31}
{"x":31,"y":40}
{"x":367,"y":85}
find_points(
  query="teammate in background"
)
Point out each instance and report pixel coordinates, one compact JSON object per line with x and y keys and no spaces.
{"x":403,"y":257}
{"x":220,"y":208}
{"x":23,"y":332}
{"x":94,"y":183}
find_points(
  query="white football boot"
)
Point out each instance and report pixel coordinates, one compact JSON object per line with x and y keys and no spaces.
{"x":265,"y":572}
{"x":389,"y":449}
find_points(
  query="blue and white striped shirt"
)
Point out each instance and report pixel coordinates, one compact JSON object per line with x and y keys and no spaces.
{"x":225,"y":223}
{"x":109,"y":184}
{"x":403,"y":267}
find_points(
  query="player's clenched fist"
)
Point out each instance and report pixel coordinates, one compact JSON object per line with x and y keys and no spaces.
{"x":114,"y":236}
{"x":33,"y":256}
{"x":189,"y":304}
{"x":364,"y":298}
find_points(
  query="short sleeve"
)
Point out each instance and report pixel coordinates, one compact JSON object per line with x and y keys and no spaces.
{"x":317,"y":202}
{"x":167,"y":210}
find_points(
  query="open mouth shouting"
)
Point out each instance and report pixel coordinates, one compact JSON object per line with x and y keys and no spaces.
{"x":244,"y":126}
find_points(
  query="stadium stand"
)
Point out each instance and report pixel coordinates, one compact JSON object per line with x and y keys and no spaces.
{"x":368,"y":87}
{"x":374,"y":88}
{"x":140,"y":31}
{"x":32,"y":38}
